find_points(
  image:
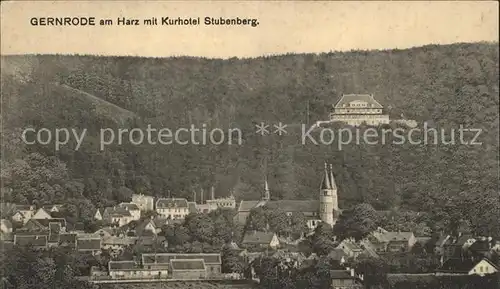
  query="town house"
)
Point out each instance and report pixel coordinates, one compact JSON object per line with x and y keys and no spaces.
{"x":133,"y":209}
{"x":172,"y":208}
{"x":261,"y":239}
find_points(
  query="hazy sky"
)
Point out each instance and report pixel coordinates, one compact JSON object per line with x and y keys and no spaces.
{"x":284,"y":27}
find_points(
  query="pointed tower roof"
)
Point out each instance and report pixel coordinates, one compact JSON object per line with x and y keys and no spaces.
{"x":332,"y":179}
{"x":267,"y":194}
{"x":325,"y":185}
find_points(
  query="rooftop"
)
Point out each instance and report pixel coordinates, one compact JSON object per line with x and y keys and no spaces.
{"x":93,"y":244}
{"x":122,"y":265}
{"x":257,"y":237}
{"x":194,"y":264}
{"x":348,"y":98}
{"x":172,"y":203}
{"x":164,"y":258}
{"x":24,"y":240}
{"x":129,"y":206}
{"x":295,"y":205}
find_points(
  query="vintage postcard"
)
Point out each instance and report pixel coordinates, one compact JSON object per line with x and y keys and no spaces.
{"x":249,"y":144}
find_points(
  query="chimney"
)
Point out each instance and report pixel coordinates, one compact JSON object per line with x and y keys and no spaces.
{"x":201,"y":197}
{"x":213,"y":193}
{"x":352,"y":272}
{"x":194,"y":196}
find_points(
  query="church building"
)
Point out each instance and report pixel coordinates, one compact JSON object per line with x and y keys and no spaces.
{"x":324,"y":209}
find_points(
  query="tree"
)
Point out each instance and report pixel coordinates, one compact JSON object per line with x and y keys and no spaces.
{"x":257,"y":220}
{"x":200,"y":226}
{"x":231,"y":261}
{"x":322,"y":240}
{"x":374,"y":271}
{"x":356,"y":222}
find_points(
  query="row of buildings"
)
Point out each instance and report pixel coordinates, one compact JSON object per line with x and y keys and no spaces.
{"x":163,"y":266}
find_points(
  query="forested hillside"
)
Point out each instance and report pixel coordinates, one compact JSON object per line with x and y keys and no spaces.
{"x":448,"y":86}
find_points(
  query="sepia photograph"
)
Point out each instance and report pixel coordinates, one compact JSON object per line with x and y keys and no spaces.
{"x":249,"y":145}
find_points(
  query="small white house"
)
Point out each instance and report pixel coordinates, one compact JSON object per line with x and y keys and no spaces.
{"x":484,"y":267}
{"x":41,"y":214}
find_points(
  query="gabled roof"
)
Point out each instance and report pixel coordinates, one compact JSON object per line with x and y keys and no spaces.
{"x":247,"y":206}
{"x":337,"y":254}
{"x":120,"y":241}
{"x":457,"y":265}
{"x":386,"y":237}
{"x":256,"y":237}
{"x":34,"y":240}
{"x":45,"y":223}
{"x":67,"y":238}
{"x":129,"y":206}
{"x":88,"y":244}
{"x":341,"y":274}
{"x":295,"y":205}
{"x":116,"y":212}
{"x":195,"y":264}
{"x":122,"y":265}
{"x":348,"y":98}
{"x":171,"y":203}
{"x":50,"y":207}
{"x":24,"y":208}
{"x":164,"y":258}
{"x":480,"y":246}
{"x":350,"y":245}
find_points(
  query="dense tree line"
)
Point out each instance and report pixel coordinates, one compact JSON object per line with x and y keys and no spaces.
{"x":447,"y":86}
{"x":28,"y":268}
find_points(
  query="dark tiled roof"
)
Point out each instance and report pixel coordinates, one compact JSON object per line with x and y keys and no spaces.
{"x":246,"y":206}
{"x":480,"y":245}
{"x":122,"y":265}
{"x":24,"y":207}
{"x":195,"y":264}
{"x":88,"y":244}
{"x":258,"y":238}
{"x":46,"y":222}
{"x":67,"y":238}
{"x":129,"y":206}
{"x":55,"y":227}
{"x":116,"y":212}
{"x":54,"y":238}
{"x":340,"y":274}
{"x":120,"y":241}
{"x":163,"y":258}
{"x":23,"y":240}
{"x":337,"y":254}
{"x":347,"y":98}
{"x":295,"y":205}
{"x":456,"y":265}
{"x":172,"y":203}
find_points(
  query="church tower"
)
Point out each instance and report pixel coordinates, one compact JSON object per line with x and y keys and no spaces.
{"x":267,"y":194}
{"x":327,"y":198}
{"x":334,"y":190}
